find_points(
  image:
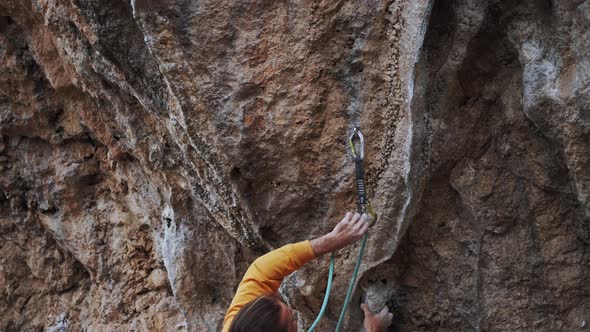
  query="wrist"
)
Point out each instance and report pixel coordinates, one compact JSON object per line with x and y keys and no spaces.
{"x":323,"y":244}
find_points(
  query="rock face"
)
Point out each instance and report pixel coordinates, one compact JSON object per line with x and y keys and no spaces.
{"x":150,"y":150}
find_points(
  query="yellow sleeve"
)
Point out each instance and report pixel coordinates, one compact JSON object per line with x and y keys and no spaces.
{"x":266,"y":273}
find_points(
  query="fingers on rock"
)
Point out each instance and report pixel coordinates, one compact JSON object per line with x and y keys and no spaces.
{"x":364,"y":228}
{"x":364,"y":307}
{"x":346,"y":218}
{"x":356,"y":217}
{"x":357,"y":225}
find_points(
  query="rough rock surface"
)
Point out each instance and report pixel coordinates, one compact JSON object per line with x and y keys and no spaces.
{"x":150,"y":150}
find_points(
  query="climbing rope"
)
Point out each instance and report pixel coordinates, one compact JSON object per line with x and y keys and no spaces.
{"x":326,"y":297}
{"x":358,"y":155}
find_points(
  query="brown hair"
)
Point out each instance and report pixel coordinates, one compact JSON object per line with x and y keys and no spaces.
{"x":260,"y":315}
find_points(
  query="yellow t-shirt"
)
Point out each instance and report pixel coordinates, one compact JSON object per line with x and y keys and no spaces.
{"x":265,"y":275}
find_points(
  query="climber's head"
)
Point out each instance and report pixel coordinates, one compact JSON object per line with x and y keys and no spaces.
{"x":265,"y":313}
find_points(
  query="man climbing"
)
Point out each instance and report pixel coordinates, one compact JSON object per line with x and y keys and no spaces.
{"x":256,"y":307}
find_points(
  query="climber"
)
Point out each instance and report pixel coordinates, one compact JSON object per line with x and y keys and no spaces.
{"x":256,"y":307}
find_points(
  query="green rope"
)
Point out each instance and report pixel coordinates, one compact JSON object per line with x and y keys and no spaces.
{"x":348,"y":293}
{"x":326,"y":297}
{"x":352,"y":282}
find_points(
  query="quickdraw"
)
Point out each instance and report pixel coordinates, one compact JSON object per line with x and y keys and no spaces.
{"x":356,"y":141}
{"x":358,"y":155}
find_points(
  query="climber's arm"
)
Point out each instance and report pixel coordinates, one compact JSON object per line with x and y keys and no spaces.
{"x":267,"y":272}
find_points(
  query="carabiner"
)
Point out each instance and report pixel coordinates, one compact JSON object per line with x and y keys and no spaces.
{"x":356,"y":133}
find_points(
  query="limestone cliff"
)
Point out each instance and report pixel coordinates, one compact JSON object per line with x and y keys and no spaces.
{"x":150,"y":150}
